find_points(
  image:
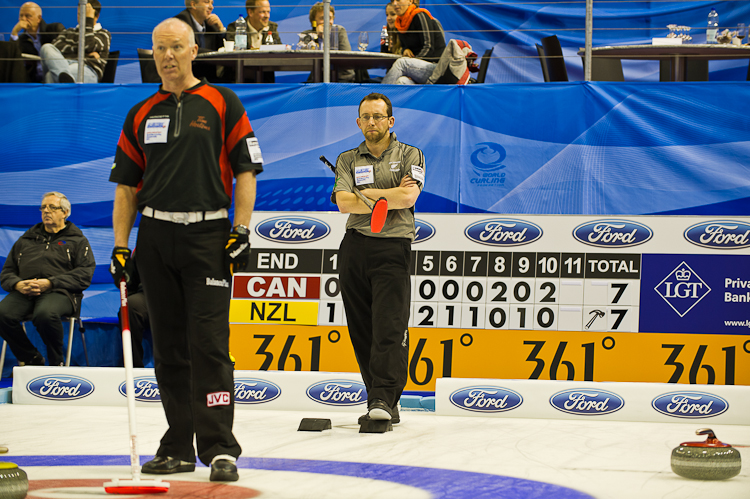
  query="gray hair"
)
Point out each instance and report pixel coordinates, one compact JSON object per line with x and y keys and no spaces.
{"x":64,"y":203}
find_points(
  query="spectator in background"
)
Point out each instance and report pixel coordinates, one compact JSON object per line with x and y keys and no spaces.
{"x":31,"y":32}
{"x":394,"y":44}
{"x":208,"y":28}
{"x":209,"y":35}
{"x":45,"y":273}
{"x":317,"y":19}
{"x":423,"y":41}
{"x":260,"y":29}
{"x":60,"y":58}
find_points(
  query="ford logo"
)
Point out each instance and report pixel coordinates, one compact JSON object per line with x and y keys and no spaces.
{"x":719,"y":234}
{"x":293,"y":229}
{"x":691,"y":405}
{"x":612,"y":233}
{"x":338,"y":392}
{"x":423,"y":231}
{"x":486,"y":399}
{"x":255,"y":391}
{"x":58,"y":387}
{"x":503,"y":232}
{"x":146,"y":389}
{"x":586,"y":402}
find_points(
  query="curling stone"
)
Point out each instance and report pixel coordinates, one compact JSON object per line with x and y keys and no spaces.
{"x":709,"y":460}
{"x":14,"y":484}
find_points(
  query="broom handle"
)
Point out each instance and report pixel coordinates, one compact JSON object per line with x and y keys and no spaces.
{"x":127,"y":354}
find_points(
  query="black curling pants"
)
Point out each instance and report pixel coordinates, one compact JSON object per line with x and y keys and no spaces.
{"x":186,"y":279}
{"x":376,"y":289}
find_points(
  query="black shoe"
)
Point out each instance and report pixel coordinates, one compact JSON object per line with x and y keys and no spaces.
{"x":395,"y":417}
{"x":36,"y":360}
{"x":165,"y":465}
{"x":379,"y":410}
{"x":224,"y":470}
{"x":65,"y":78}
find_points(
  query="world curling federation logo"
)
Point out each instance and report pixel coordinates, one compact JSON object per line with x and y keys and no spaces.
{"x":682,"y":289}
{"x":487,"y":160}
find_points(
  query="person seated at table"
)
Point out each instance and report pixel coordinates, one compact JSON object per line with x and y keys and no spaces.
{"x":31,"y":32}
{"x":317,"y":21}
{"x":260,"y":29}
{"x":208,"y":28}
{"x":60,"y":58}
{"x":393,"y":45}
{"x":209,"y":36}
{"x":423,"y":41}
{"x":45,"y":273}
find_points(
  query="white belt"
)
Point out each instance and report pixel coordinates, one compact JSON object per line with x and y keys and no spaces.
{"x":184,"y":217}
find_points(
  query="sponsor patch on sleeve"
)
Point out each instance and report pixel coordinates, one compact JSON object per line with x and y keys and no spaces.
{"x":254,"y":149}
{"x":417,"y":173}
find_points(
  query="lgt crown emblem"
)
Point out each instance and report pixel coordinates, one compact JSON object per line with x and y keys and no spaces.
{"x":682,"y":274}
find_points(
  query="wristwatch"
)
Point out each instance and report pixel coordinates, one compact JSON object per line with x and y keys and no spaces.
{"x":241,"y":229}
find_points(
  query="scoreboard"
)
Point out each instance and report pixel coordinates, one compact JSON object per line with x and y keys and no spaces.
{"x":661,"y":299}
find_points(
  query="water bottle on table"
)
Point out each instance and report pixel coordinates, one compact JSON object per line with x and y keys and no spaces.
{"x":240,"y":36}
{"x":713,"y":26}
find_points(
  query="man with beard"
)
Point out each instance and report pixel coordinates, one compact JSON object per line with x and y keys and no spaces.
{"x":374,"y":267}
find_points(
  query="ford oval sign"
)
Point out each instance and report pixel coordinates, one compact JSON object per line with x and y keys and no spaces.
{"x":338,"y":392}
{"x":690,"y":405}
{"x":423,"y":231}
{"x":255,"y":391}
{"x":486,"y":399}
{"x":587,"y":402}
{"x":612,"y":233}
{"x":146,"y":389}
{"x":719,"y":234}
{"x":293,"y":229}
{"x":59,"y":387}
{"x":503,"y":232}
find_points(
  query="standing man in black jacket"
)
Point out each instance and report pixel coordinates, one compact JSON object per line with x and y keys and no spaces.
{"x":45,"y":273}
{"x":31,"y":32}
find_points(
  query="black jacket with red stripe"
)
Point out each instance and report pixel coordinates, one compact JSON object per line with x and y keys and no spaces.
{"x":183,"y":154}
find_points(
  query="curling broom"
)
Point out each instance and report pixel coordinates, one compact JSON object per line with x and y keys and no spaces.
{"x":135,"y":485}
{"x":379,"y":210}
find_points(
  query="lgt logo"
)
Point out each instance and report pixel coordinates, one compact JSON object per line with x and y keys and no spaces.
{"x":682,"y":289}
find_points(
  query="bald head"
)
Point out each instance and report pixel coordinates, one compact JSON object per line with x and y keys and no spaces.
{"x":31,"y":14}
{"x":174,"y":26}
{"x":32,"y":5}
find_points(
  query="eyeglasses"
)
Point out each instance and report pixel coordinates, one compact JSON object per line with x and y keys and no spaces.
{"x":377,"y":117}
{"x":50,"y":207}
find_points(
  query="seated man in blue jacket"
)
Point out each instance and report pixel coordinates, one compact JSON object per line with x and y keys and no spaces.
{"x":45,"y":273}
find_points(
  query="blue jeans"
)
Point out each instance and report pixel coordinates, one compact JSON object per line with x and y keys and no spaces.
{"x":409,"y":71}
{"x":53,"y":63}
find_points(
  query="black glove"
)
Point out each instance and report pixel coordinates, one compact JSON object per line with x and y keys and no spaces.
{"x":238,"y":249}
{"x":122,"y":265}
